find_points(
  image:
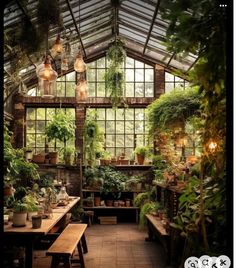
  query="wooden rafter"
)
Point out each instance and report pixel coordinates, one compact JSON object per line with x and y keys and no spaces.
{"x":151,"y":26}
{"x":76,"y":27}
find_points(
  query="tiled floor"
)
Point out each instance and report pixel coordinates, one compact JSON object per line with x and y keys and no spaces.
{"x":115,"y":246}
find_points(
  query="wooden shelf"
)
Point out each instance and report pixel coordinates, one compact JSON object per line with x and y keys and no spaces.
{"x":157,"y":224}
{"x":106,"y":207}
{"x":98,"y":191}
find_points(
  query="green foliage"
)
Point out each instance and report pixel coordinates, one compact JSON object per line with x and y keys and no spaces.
{"x":93,"y":138}
{"x":31,"y":202}
{"x":16,"y":168}
{"x":171,"y":108}
{"x":145,"y":209}
{"x":61,"y":127}
{"x":114,"y":76}
{"x":20,"y":207}
{"x":142,"y":150}
{"x":141,"y":198}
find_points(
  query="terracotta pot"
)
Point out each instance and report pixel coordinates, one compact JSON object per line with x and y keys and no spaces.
{"x":109,"y":203}
{"x":105,"y":162}
{"x":140,"y":159}
{"x":8,"y":190}
{"x":38,"y":158}
{"x":53,"y":157}
{"x":97,"y":201}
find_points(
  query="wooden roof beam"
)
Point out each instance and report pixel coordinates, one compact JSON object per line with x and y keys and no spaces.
{"x":151,"y":26}
{"x":76,"y":27}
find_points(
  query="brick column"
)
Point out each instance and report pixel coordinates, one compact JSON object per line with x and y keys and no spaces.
{"x":19,"y":122}
{"x":159,"y":80}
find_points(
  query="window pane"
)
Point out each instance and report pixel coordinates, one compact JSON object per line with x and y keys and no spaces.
{"x":139,"y":127}
{"x":129,"y":62}
{"x":30,"y":125}
{"x":101,"y":114}
{"x":100,"y":74}
{"x":129,"y":75}
{"x":129,"y":89}
{"x":60,"y":92}
{"x":129,"y":140}
{"x":40,"y":114}
{"x":129,"y":114}
{"x":110,"y":127}
{"x":169,"y":87}
{"x":40,"y":126}
{"x":91,"y":89}
{"x":70,"y":89}
{"x":139,"y":64}
{"x":139,"y":75}
{"x":139,"y":114}
{"x":149,"y":75}
{"x":30,"y":114}
{"x":110,"y":114}
{"x":30,"y":140}
{"x":50,"y":113}
{"x":139,"y":89}
{"x":70,"y":76}
{"x":100,"y":89}
{"x":110,"y":140}
{"x":169,"y":77}
{"x":101,"y":63}
{"x":149,"y":89}
{"x":120,"y":141}
{"x":129,"y":126}
{"x":119,"y":127}
{"x":120,"y":113}
{"x":40,"y":138}
{"x":91,"y":75}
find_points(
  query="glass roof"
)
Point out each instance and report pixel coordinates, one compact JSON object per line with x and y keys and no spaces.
{"x":92,"y":25}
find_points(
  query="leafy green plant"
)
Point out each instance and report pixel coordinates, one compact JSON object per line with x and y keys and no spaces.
{"x":114,"y":76}
{"x":141,"y":198}
{"x":173,"y":109}
{"x":146,"y":208}
{"x":142,"y":150}
{"x":93,"y":139}
{"x":31,"y":201}
{"x":20,"y":207}
{"x":68,"y":154}
{"x":61,"y":127}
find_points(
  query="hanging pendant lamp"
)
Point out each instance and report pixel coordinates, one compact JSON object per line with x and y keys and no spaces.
{"x":82,"y":90}
{"x":79,"y":65}
{"x":47,"y":72}
{"x":57,"y":47}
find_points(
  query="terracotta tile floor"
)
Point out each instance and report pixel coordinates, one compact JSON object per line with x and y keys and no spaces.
{"x":115,"y":246}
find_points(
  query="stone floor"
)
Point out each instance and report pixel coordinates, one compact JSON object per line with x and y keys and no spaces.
{"x":115,"y":246}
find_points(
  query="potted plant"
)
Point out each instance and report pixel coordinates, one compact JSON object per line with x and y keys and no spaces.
{"x":68,"y":155}
{"x":19,"y":214}
{"x":141,"y":153}
{"x":105,"y":158}
{"x":61,"y":128}
{"x":32,"y":205}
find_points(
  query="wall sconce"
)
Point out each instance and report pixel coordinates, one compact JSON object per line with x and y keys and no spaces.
{"x":79,"y":65}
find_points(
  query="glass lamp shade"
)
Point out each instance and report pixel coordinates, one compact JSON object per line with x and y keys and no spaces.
{"x":57,"y":47}
{"x":79,"y":65}
{"x":81,"y":90}
{"x":64,"y":64}
{"x":46,"y":72}
{"x":47,"y":88}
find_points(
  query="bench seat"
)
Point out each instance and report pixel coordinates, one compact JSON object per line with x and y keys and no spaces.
{"x":64,"y":246}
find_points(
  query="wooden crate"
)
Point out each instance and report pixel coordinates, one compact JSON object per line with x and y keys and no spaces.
{"x":108,"y":220}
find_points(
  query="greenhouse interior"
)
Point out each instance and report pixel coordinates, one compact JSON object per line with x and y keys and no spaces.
{"x":114,"y":134}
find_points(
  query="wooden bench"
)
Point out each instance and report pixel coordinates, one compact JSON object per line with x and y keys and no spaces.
{"x":156,"y":229}
{"x":64,"y":246}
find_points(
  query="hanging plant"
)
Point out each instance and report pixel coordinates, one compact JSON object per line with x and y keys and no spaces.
{"x":48,"y":13}
{"x":173,"y":109}
{"x":114,"y":76}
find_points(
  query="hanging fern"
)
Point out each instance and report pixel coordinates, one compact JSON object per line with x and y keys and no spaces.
{"x":114,"y":76}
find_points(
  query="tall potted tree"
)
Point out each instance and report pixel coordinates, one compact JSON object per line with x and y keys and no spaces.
{"x":62,"y":128}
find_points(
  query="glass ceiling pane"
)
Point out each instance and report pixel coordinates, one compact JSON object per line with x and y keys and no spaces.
{"x":133,"y":35}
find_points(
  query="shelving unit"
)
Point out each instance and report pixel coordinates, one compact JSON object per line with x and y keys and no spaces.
{"x":119,"y":211}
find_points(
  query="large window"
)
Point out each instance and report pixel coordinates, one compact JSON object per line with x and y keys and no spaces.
{"x":65,"y":86}
{"x":173,"y":81}
{"x":36,"y":121}
{"x":139,"y":78}
{"x":124,"y":129}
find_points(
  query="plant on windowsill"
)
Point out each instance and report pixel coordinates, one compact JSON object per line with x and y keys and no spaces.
{"x":61,"y":127}
{"x":141,"y":153}
{"x":68,"y":155}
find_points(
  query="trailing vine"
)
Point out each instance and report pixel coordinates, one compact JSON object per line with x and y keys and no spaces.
{"x":114,"y":76}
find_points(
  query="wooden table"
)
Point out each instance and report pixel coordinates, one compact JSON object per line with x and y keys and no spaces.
{"x":27,"y":235}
